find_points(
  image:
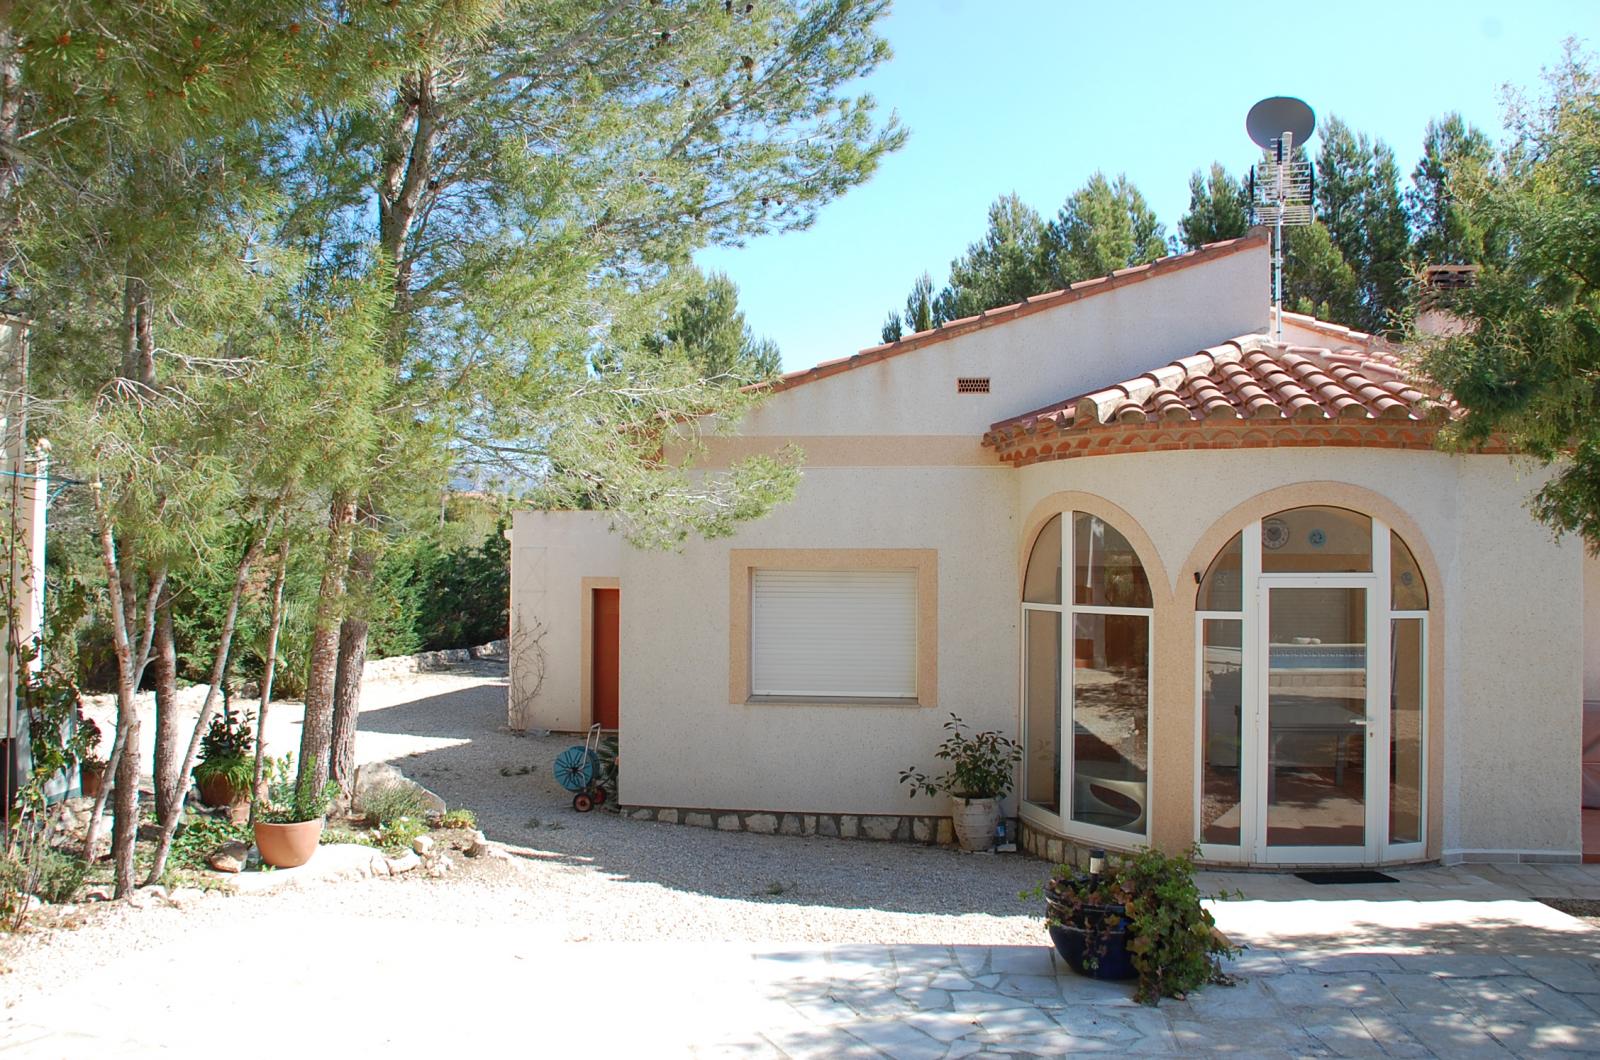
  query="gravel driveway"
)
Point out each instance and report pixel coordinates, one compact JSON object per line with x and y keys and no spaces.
{"x":579,"y":877}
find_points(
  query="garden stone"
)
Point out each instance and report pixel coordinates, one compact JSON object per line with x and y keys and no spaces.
{"x":404,"y":863}
{"x":423,"y":845}
{"x":381,"y":775}
{"x":479,"y":846}
{"x":728,"y":822}
{"x":667,"y":816}
{"x":827,"y":826}
{"x":880,"y":827}
{"x":849,"y":826}
{"x":229,"y":857}
{"x":697,"y":820}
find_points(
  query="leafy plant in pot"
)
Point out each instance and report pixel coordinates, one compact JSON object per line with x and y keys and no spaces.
{"x":227,"y":761}
{"x":288,"y":829}
{"x":982,"y":771}
{"x":1136,"y":916}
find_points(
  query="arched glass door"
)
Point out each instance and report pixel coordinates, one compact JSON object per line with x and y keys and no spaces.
{"x":1311,"y":628}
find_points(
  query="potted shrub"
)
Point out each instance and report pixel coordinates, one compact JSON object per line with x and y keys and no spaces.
{"x":982,"y":770}
{"x":227,"y":761}
{"x":1137,"y":916}
{"x":289,"y":828}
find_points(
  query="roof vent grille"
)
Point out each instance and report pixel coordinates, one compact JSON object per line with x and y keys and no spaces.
{"x":972,"y":385}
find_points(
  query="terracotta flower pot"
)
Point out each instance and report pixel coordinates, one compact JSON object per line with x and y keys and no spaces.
{"x":218,"y":790}
{"x":90,"y":778}
{"x":284,"y":846}
{"x":975,"y":821}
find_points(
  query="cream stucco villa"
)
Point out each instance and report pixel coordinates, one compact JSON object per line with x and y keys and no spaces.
{"x":1222,"y":587}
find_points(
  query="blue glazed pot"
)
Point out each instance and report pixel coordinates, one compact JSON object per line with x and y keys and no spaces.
{"x":1078,"y":944}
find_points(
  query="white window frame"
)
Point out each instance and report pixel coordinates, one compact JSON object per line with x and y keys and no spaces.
{"x":1252,"y":848}
{"x":1062,"y":822}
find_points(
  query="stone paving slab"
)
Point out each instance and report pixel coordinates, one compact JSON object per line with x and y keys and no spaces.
{"x":1398,"y":976}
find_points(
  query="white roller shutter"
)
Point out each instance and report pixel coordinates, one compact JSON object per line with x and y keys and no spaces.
{"x":834,"y":633}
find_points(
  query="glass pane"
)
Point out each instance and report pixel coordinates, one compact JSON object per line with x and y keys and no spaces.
{"x":1405,"y":731}
{"x":1316,"y":540}
{"x":1042,"y":584}
{"x":1107,"y":571}
{"x":1222,"y":589}
{"x":1407,"y":590}
{"x":1110,"y":720}
{"x":1041,"y":721}
{"x":1316,"y":717}
{"x":1221,"y":694}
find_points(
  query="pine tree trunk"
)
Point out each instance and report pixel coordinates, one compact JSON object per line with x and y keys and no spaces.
{"x":164,"y":668}
{"x":316,"y":732}
{"x":219,"y":670}
{"x":275,"y":623}
{"x":347,"y":681}
{"x":347,"y":701}
{"x":125,"y":829}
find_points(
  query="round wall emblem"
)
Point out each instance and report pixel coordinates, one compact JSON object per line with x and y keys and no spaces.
{"x":1274,"y":534}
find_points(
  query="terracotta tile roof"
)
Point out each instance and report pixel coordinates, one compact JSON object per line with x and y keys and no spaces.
{"x":1003,"y":314}
{"x":1245,"y":380}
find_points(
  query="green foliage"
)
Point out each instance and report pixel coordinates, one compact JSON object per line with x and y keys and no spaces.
{"x":464,"y":592}
{"x":51,"y":875}
{"x":982,"y":766}
{"x":458,"y":818}
{"x":1103,"y":226}
{"x":1316,"y":278}
{"x":387,"y":803}
{"x":1358,"y":201}
{"x":707,"y":328}
{"x":228,"y":736}
{"x":396,"y":835}
{"x":1007,"y":266}
{"x":1454,"y":155}
{"x":291,"y":800}
{"x":1524,"y":369}
{"x":1219,"y":208}
{"x":200,"y":835}
{"x":1171,"y":937}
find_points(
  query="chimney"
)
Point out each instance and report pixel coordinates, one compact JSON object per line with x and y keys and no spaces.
{"x":1439,"y":286}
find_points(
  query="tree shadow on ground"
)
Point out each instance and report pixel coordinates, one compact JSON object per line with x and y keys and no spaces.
{"x":507,"y":779}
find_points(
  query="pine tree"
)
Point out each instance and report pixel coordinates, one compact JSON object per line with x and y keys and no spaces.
{"x":1453,"y":154}
{"x":1103,"y":226}
{"x":1358,"y":201}
{"x":707,"y":328}
{"x":1219,"y":209}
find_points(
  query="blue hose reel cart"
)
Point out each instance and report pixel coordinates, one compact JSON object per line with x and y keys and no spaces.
{"x":578,"y":770}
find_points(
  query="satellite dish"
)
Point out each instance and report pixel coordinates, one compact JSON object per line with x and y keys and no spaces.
{"x":1272,"y":117}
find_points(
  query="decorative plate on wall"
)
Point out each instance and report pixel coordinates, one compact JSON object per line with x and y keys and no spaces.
{"x":1274,"y":533}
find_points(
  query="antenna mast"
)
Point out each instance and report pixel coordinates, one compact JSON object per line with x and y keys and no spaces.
{"x":1280,"y":184}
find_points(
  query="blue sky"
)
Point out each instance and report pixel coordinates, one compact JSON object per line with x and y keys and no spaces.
{"x":1034,"y":96}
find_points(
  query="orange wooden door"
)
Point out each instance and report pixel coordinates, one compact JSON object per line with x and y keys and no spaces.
{"x":607,"y":615}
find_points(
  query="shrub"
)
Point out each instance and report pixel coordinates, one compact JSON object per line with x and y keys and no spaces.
{"x":388,"y":802}
{"x":459,"y":818}
{"x":52,"y":875}
{"x":982,"y":766}
{"x":398,"y":833}
{"x":199,"y":836}
{"x":1172,"y":939}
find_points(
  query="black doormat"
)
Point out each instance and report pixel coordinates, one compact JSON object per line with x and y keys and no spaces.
{"x":1346,"y":876}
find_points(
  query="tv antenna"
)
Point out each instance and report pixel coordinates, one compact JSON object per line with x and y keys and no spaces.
{"x":1280,"y":186}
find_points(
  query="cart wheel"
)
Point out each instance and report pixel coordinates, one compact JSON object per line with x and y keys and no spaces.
{"x":599,"y":796}
{"x":582,"y":803}
{"x":575,"y":768}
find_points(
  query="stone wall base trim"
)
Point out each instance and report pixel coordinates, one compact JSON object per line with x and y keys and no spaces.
{"x":927,"y":829}
{"x":1512,"y":857}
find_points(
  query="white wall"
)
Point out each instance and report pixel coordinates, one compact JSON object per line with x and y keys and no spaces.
{"x":1033,"y":361}
{"x":686,"y":745}
{"x":551,"y":554}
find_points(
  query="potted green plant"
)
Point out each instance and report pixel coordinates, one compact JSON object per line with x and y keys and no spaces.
{"x":227,"y":761}
{"x":91,"y":767}
{"x":982,"y":771}
{"x":1138,"y":916}
{"x":289,"y":828}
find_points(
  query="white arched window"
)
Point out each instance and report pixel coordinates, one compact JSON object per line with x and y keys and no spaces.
{"x":1311,"y":627}
{"x":1086,"y":681}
